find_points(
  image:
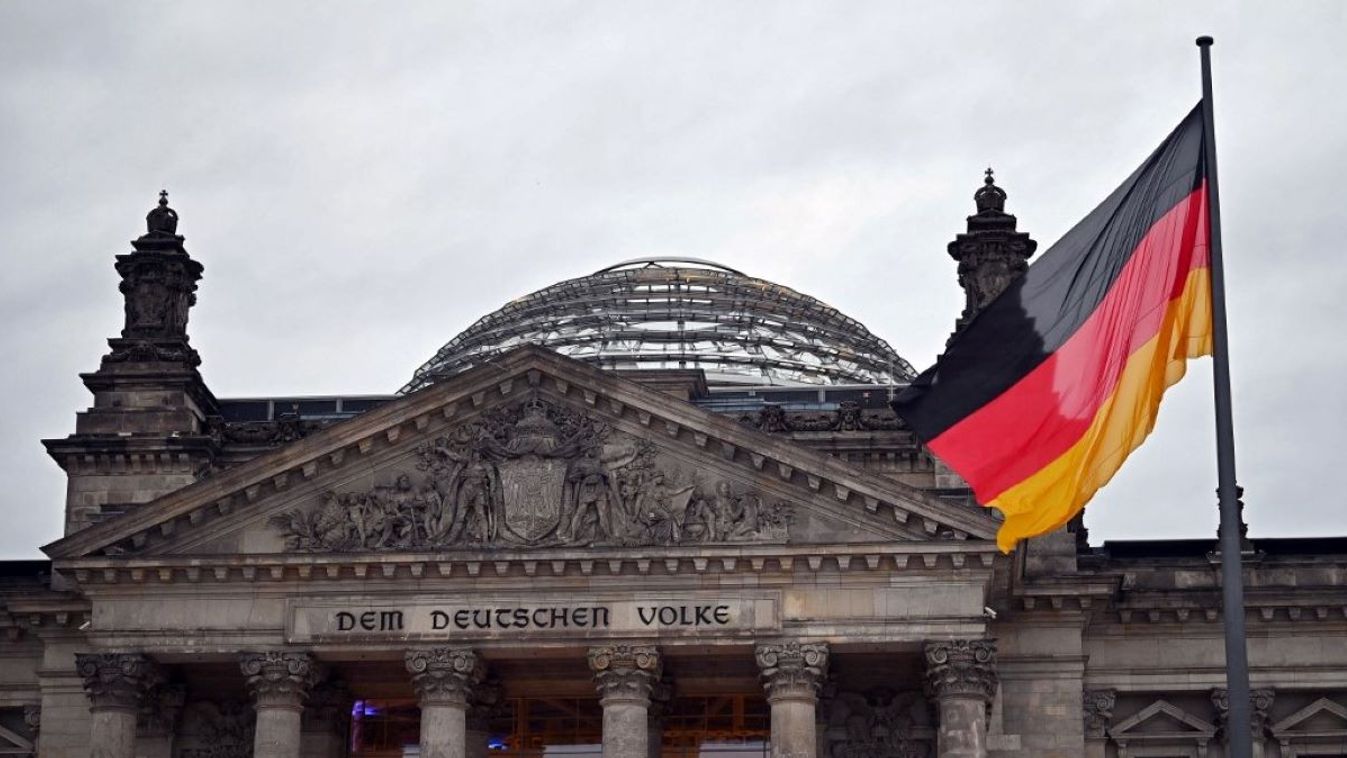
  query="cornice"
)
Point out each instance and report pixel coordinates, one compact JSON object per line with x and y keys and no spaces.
{"x":914,"y":558}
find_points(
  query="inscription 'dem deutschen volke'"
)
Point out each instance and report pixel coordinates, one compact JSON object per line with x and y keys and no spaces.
{"x":515,"y":619}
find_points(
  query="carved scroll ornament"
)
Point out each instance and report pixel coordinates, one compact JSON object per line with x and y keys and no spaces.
{"x":536,"y":475}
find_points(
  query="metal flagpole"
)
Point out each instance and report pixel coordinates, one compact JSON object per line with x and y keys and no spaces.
{"x":1238,"y":731}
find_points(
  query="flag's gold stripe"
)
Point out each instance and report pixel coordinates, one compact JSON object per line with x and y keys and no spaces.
{"x":1048,"y":498}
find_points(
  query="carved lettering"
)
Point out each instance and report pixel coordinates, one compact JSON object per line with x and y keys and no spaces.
{"x":454,"y":619}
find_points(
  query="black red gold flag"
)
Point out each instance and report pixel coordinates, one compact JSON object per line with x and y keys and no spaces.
{"x":1040,"y":398}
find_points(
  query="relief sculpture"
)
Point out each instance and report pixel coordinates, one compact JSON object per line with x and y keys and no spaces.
{"x":536,"y":475}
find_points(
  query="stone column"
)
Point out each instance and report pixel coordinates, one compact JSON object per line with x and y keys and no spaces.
{"x":1097,"y":710}
{"x":444,"y":679}
{"x":116,"y":683}
{"x":279,"y":683}
{"x":1260,"y":702}
{"x":624,"y":676}
{"x":792,"y":673}
{"x":961,"y":675}
{"x":486,"y":702}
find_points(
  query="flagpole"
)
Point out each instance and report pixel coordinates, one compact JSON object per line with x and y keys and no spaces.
{"x":1238,"y":731}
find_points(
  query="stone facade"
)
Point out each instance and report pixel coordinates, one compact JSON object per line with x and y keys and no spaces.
{"x":537,"y":530}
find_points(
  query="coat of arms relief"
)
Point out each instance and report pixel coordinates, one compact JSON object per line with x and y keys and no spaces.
{"x":537,"y":475}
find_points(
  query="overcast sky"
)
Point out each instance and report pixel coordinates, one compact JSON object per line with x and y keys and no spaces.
{"x":364,"y":180}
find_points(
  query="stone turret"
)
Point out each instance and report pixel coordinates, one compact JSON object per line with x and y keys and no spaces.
{"x":145,"y":434}
{"x":991,"y":254}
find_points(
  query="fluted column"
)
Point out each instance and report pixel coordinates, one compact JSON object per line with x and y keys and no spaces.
{"x":484,"y":705}
{"x":792,"y":673}
{"x":961,"y":675}
{"x":624,"y":676}
{"x":279,"y":683}
{"x":116,"y":683}
{"x":444,"y":679}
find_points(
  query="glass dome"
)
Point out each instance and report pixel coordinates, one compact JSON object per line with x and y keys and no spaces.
{"x":680,"y":313}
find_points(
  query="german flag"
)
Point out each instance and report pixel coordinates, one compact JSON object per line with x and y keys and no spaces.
{"x":1040,"y":398}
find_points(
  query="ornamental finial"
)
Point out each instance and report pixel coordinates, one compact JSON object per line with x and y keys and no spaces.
{"x":989,"y":197}
{"x":162,"y":221}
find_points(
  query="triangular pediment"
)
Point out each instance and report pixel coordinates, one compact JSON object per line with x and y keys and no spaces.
{"x":1162,"y":719}
{"x":533,"y":450}
{"x":1320,"y":718}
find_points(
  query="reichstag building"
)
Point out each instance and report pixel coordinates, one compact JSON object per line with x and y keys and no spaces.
{"x":659,"y":511}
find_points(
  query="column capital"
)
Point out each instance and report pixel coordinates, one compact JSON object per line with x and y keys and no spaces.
{"x":792,"y":670}
{"x":444,"y":675}
{"x":279,"y":679}
{"x":1260,"y":702}
{"x":1097,"y":710}
{"x":962,"y":669}
{"x":625,"y":672}
{"x":117,"y":681}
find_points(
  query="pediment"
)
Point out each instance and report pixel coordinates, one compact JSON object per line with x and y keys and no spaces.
{"x":1320,"y":718}
{"x":533,"y":450}
{"x":1162,"y":719}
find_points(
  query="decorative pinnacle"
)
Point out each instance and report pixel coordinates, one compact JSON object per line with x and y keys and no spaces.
{"x":989,"y":197}
{"x":162,"y":221}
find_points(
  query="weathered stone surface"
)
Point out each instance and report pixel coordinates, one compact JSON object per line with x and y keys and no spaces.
{"x":792,"y":674}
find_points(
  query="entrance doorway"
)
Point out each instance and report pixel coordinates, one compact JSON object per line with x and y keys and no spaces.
{"x":698,"y":726}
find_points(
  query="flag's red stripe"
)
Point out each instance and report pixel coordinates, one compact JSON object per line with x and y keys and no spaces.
{"x":1041,"y":416}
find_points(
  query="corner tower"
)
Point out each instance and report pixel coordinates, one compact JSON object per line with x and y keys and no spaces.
{"x":991,"y":254}
{"x":146,"y":433}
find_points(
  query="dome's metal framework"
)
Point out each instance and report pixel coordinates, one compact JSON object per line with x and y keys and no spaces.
{"x":680,"y":313}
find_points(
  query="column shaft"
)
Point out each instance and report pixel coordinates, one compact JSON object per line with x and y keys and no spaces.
{"x":963,"y":728}
{"x":444,"y":730}
{"x":116,"y":684}
{"x":444,"y":679}
{"x":113,"y":733}
{"x":792,"y":674}
{"x":279,"y":683}
{"x":277,"y":734}
{"x":793,"y":730}
{"x":625,"y":676}
{"x":961,"y":674}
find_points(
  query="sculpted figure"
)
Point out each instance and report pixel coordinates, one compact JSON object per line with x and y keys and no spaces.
{"x":593,"y":498}
{"x":662,"y":509}
{"x":476,"y":495}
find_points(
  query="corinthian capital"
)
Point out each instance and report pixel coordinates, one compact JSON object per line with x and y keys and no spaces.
{"x":445,"y":675}
{"x":279,"y":679}
{"x":1097,"y":710}
{"x":792,"y":669}
{"x":625,"y":672}
{"x":962,"y":669}
{"x":1260,"y":702}
{"x":117,"y":680}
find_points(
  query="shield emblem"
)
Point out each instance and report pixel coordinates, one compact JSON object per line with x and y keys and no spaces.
{"x":532,"y":493}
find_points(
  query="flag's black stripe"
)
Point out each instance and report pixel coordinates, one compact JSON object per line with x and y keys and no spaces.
{"x":1042,"y":309}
